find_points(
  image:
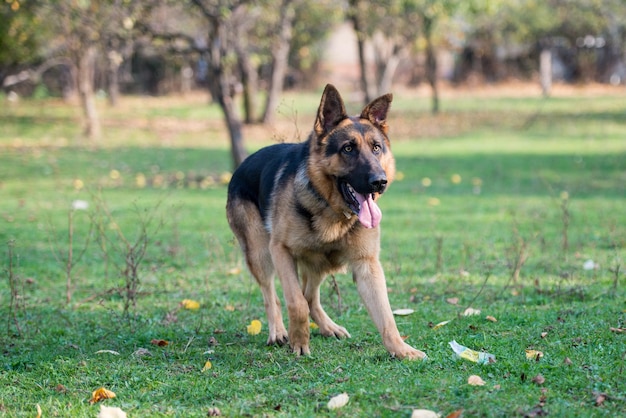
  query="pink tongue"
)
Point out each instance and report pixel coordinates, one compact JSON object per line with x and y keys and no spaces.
{"x":370,"y":214}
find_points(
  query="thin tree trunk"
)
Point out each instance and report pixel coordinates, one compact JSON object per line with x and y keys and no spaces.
{"x":545,"y":71}
{"x":223,"y":91}
{"x":431,"y":64}
{"x":360,"y":42}
{"x":249,"y":80}
{"x":115,"y":60}
{"x":280,"y":57}
{"x":386,"y":78}
{"x":86,"y":71}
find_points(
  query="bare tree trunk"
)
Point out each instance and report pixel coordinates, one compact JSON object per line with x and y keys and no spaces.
{"x":431,"y":63}
{"x":86,"y":71}
{"x":221,"y":82}
{"x":249,"y":81}
{"x":388,"y":63}
{"x":280,"y":57}
{"x":115,"y":60}
{"x":545,"y":71}
{"x":360,"y":42}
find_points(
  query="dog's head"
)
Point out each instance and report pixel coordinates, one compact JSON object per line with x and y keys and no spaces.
{"x":354,"y":152}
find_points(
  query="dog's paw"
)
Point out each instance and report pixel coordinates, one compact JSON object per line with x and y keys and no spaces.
{"x":300,"y":349}
{"x":409,"y":353}
{"x":277,"y":335}
{"x":299,"y":340}
{"x":277,"y":339}
{"x":333,"y":330}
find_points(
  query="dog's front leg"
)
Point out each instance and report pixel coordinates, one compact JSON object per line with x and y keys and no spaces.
{"x":370,"y":281}
{"x":297,"y":306}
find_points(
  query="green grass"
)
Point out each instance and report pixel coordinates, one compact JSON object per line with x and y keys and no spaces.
{"x":531,"y":171}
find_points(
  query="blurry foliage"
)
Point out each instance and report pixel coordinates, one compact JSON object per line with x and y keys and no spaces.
{"x":21,"y":33}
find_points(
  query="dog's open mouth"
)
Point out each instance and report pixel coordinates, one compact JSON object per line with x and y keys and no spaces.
{"x":362,"y":205}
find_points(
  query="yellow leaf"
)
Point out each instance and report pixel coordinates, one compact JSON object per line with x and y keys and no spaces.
{"x":190,"y":304}
{"x":229,"y":308}
{"x":491,"y":318}
{"x":100,"y":394}
{"x":225,"y":177}
{"x":234,"y":271}
{"x":313,"y":325}
{"x":38,"y":411}
{"x":534,"y":355}
{"x":441,"y":324}
{"x":255,"y":327}
{"x":207,"y":366}
{"x":475,"y":380}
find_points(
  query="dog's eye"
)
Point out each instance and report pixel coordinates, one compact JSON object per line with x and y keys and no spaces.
{"x":347,"y":148}
{"x":376,"y":149}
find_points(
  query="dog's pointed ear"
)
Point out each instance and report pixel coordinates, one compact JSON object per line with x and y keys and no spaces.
{"x":376,"y":111}
{"x":331,"y":111}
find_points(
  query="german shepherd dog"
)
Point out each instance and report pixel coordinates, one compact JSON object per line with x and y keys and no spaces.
{"x":311,"y":208}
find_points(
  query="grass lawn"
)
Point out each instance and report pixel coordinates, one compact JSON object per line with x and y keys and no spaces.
{"x":513,"y":205}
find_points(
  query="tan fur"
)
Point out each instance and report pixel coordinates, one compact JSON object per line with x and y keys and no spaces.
{"x":327,"y":243}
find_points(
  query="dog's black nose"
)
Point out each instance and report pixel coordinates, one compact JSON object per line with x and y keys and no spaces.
{"x":378,"y":182}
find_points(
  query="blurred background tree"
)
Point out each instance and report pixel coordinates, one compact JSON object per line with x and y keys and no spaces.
{"x":245,"y":52}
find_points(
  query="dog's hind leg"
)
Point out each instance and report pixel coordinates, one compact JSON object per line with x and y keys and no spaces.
{"x":247,"y":225}
{"x":311,"y":282}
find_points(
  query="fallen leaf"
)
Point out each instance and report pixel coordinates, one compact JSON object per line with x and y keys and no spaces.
{"x":403,"y":312}
{"x":234,"y":271}
{"x":115,"y":353}
{"x":618,"y":330}
{"x":190,"y":304}
{"x":534,"y":355}
{"x":338,"y":401}
{"x":60,"y":388}
{"x":475,"y":380}
{"x":471,"y":311}
{"x":567,"y":361}
{"x":207,"y":366}
{"x":38,"y":411}
{"x":142,"y":352}
{"x":160,"y":343}
{"x":453,"y":301}
{"x":229,"y":308}
{"x":313,"y":325}
{"x":255,"y":327}
{"x":600,"y":398}
{"x":455,"y":414}
{"x":214,"y":412}
{"x":441,"y":324}
{"x":424,"y":413}
{"x":491,"y":318}
{"x":111,"y":412}
{"x":544,"y":334}
{"x":589,"y":265}
{"x":539,"y":379}
{"x":100,"y":394}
